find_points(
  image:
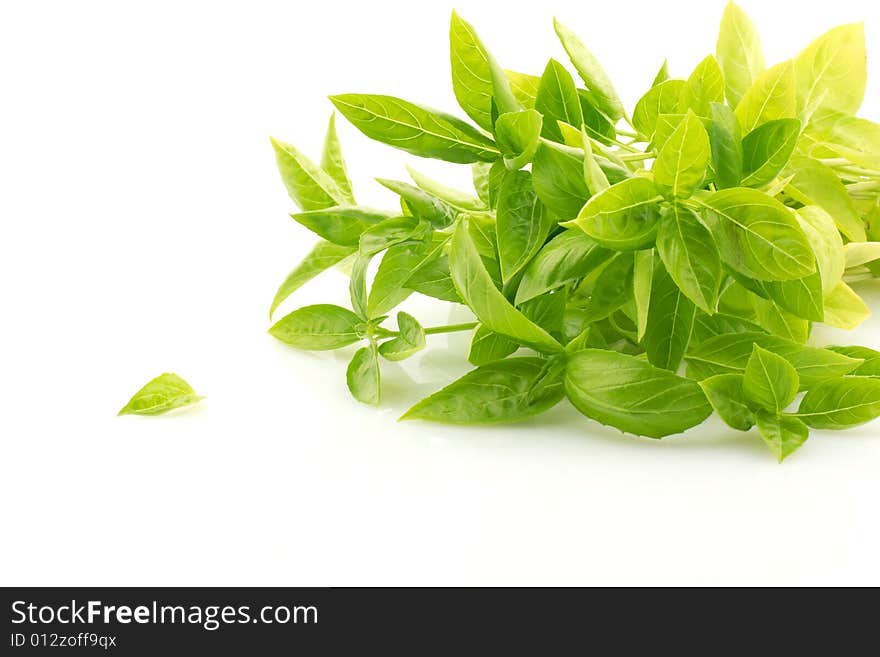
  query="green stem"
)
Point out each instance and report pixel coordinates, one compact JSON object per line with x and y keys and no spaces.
{"x":638,"y":157}
{"x":866,"y":186}
{"x":450,"y":328}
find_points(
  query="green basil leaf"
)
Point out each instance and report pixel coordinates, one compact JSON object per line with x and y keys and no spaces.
{"x":434,"y":279}
{"x":323,"y":256}
{"x":342,"y":225}
{"x":802,"y":297}
{"x":767,"y":150}
{"x":783,"y":434}
{"x":769,"y":381}
{"x":477,"y":79}
{"x":417,"y":130}
{"x":558,"y":177}
{"x":504,"y":391}
{"x":727,"y":149}
{"x":691,"y":257}
{"x":662,"y":75}
{"x":410,"y":340}
{"x":596,"y":179}
{"x":739,"y":53}
{"x":613,"y":288}
{"x":670,"y":322}
{"x":841,"y":403}
{"x":452,"y":197}
{"x":547,"y":311}
{"x":778,"y":321}
{"x":623,"y":217}
{"x":704,"y":87}
{"x":597,"y":124}
{"x":680,"y":166}
{"x":844,"y":308}
{"x":164,"y":393}
{"x":524,"y":88}
{"x":725,"y":393}
{"x":757,"y":236}
{"x":357,"y":286}
{"x":825,"y":240}
{"x":389,"y":287}
{"x":709,"y":326}
{"x":363,"y":376}
{"x":319,"y":327}
{"x":518,"y":134}
{"x":570,"y":255}
{"x":522,"y":224}
{"x":389,"y":232}
{"x":488,"y":346}
{"x":816,"y":184}
{"x":870,"y":366}
{"x":771,"y":96}
{"x":660,"y":99}
{"x":480,"y":176}
{"x":422,"y":204}
{"x":558,"y":100}
{"x":643,"y":281}
{"x":475,"y":286}
{"x":851,"y":137}
{"x":601,"y":90}
{"x":632,"y":395}
{"x":833,"y":68}
{"x":726,"y":354}
{"x":309,"y":186}
{"x":334,"y":164}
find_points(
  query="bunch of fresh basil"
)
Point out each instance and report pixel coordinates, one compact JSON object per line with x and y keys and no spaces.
{"x":658,"y":265}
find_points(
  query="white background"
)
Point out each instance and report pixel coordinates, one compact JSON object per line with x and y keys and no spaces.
{"x":144,"y":229}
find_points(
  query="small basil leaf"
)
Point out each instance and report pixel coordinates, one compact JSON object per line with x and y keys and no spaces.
{"x":613,"y":287}
{"x":524,"y":88}
{"x":357,"y":286}
{"x":323,"y":256}
{"x":488,"y":346}
{"x":771,"y":97}
{"x":557,"y":100}
{"x":410,"y":339}
{"x":623,"y":217}
{"x":164,"y":393}
{"x":783,"y":434}
{"x":363,"y":376}
{"x":670,"y":322}
{"x":342,"y":225}
{"x":725,"y":393}
{"x":318,"y":327}
{"x":518,"y":134}
{"x":558,"y":177}
{"x":726,"y":144}
{"x":816,"y":184}
{"x":508,"y":390}
{"x":632,"y":395}
{"x":870,"y":366}
{"x":739,"y":53}
{"x":334,"y":164}
{"x":388,"y":233}
{"x":423,"y":205}
{"x":660,"y":99}
{"x":681,"y":164}
{"x":767,"y":150}
{"x":643,"y":282}
{"x":452,"y":197}
{"x":704,"y":87}
{"x":769,"y":381}
{"x":309,"y":186}
{"x":522,"y":224}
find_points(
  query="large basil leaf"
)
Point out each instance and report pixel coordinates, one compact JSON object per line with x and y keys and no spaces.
{"x":415,"y":129}
{"x":509,"y":390}
{"x":319,"y":327}
{"x":758,"y":236}
{"x":769,"y":381}
{"x":691,"y":257}
{"x":623,"y":217}
{"x":660,"y":99}
{"x":771,"y":96}
{"x":495,"y":312}
{"x":841,"y":403}
{"x":704,"y":87}
{"x":681,"y":164}
{"x":832,"y":70}
{"x":632,"y":395}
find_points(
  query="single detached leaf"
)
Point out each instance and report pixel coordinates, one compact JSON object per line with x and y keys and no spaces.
{"x":488,"y":346}
{"x":816,"y":184}
{"x":767,"y":150}
{"x":570,"y":255}
{"x":660,"y":99}
{"x":450,"y":196}
{"x":415,"y":129}
{"x":704,"y":87}
{"x":363,"y":376}
{"x":518,"y":134}
{"x":494,"y":311}
{"x":729,"y":354}
{"x":739,"y":53}
{"x":334,"y":164}
{"x":841,"y":403}
{"x":770,"y":382}
{"x":522,"y":224}
{"x":342,"y":225}
{"x":410,"y":339}
{"x":771,"y":97}
{"x":623,"y":217}
{"x":323,"y":256}
{"x":162,"y":394}
{"x":558,"y":177}
{"x":725,"y":393}
{"x":508,"y":390}
{"x":477,"y":79}
{"x":833,"y":69}
{"x":691,"y":257}
{"x":632,"y":395}
{"x":670,"y":322}
{"x":308,"y":185}
{"x":726,"y":145}
{"x":319,"y":327}
{"x":681,"y":164}
{"x":598,"y":84}
{"x":783,"y":434}
{"x":558,"y":100}
{"x":758,"y":236}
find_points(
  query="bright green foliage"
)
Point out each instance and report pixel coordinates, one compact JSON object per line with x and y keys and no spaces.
{"x":650,"y":267}
{"x":164,"y":393}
